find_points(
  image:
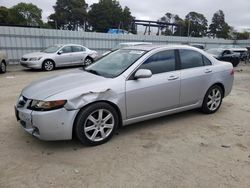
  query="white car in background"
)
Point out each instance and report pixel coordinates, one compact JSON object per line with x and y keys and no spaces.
{"x":124,"y":45}
{"x":59,"y":56}
{"x":3,"y":62}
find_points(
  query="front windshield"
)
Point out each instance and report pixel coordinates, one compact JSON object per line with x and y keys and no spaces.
{"x":52,"y":49}
{"x":214,"y":51}
{"x":115,"y":63}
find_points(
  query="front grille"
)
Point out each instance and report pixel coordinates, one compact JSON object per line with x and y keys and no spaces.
{"x":22,"y":102}
{"x":24,"y":59}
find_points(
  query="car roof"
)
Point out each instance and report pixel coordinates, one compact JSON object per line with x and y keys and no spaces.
{"x":152,"y":47}
{"x":135,"y":43}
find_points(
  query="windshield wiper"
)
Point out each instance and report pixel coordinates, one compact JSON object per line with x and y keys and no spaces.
{"x":92,"y":71}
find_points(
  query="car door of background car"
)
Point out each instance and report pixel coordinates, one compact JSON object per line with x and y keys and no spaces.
{"x":65,"y":58}
{"x":196,"y":72}
{"x":79,"y":55}
{"x":157,"y":93}
{"x":226,"y":56}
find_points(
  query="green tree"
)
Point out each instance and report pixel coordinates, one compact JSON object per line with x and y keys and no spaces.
{"x":5,"y":15}
{"x":69,"y":14}
{"x":197,"y":24}
{"x":26,"y":14}
{"x":219,"y":28}
{"x":109,"y":14}
{"x":167,"y":18}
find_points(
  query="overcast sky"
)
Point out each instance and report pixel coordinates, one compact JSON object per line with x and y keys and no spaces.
{"x":237,"y":12}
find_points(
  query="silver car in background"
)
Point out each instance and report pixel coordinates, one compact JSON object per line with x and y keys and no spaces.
{"x":3,"y":62}
{"x":127,"y":86}
{"x":59,"y":56}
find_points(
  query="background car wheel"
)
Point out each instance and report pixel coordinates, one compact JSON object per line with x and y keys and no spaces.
{"x":96,"y":124}
{"x":88,"y":61}
{"x":212,"y":100}
{"x":48,"y":65}
{"x":2,"y":67}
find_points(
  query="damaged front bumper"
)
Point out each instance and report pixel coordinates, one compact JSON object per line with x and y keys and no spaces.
{"x":47,"y":125}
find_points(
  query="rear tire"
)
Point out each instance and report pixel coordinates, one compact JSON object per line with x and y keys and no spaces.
{"x":2,"y":67}
{"x":48,"y":65}
{"x":212,"y":100}
{"x":96,"y":124}
{"x":88,"y":61}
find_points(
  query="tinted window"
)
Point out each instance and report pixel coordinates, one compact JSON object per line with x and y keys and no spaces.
{"x":77,"y":49}
{"x":160,"y":62}
{"x":206,"y":61}
{"x":190,"y":59}
{"x":66,"y":49}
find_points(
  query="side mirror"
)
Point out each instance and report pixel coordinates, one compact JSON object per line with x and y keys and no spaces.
{"x":59,"y":52}
{"x":143,"y":73}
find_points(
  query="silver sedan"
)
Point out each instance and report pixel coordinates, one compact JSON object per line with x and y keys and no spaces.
{"x":59,"y":56}
{"x":127,"y":86}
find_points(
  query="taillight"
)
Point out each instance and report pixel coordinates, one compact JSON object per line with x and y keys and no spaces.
{"x":232,"y":72}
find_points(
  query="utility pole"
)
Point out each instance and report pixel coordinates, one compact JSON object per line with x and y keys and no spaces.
{"x":188,"y":28}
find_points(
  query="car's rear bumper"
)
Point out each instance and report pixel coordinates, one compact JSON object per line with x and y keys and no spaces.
{"x":47,"y":125}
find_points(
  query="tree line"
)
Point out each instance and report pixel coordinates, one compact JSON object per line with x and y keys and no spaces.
{"x":99,"y":17}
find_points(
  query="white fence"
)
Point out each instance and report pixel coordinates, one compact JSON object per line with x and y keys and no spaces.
{"x":17,"y":41}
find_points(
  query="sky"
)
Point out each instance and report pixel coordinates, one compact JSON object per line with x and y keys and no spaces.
{"x":237,"y":12}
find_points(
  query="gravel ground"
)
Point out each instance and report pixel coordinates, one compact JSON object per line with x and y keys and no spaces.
{"x":184,"y":150}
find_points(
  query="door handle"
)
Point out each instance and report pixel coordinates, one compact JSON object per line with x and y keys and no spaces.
{"x":208,"y":71}
{"x":173,"y":77}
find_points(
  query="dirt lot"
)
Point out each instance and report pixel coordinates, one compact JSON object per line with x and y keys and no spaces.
{"x":184,"y":150}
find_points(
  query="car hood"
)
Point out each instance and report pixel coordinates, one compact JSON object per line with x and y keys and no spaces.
{"x":50,"y":86}
{"x":34,"y":54}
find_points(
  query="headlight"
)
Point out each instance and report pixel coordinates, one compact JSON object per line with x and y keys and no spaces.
{"x":35,"y":58}
{"x":46,"y":105}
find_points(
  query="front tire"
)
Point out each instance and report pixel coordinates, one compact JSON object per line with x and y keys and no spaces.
{"x":48,"y":65}
{"x":2,"y":67}
{"x":96,"y":124}
{"x":212,"y":100}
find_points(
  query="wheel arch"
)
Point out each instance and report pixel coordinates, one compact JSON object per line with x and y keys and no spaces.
{"x":89,"y":58}
{"x":4,"y":61}
{"x":221,"y":86}
{"x":100,"y":101}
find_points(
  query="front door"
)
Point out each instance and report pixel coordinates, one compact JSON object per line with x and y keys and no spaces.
{"x":157,"y":93}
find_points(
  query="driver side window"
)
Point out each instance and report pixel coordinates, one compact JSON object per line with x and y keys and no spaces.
{"x":66,"y":49}
{"x":160,"y":62}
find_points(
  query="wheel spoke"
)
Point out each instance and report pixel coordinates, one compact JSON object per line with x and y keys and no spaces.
{"x":94,"y":135}
{"x":103,"y":133}
{"x":108,"y":126}
{"x":90,"y":128}
{"x":107,"y":118}
{"x":210,"y":102}
{"x":100,"y":112}
{"x":91,"y":118}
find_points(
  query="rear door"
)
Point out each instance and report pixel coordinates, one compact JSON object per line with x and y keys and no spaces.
{"x":157,"y":93}
{"x":196,"y":74}
{"x":79,"y":55}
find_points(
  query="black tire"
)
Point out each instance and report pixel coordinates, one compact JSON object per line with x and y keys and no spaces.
{"x":2,"y":67}
{"x":48,"y":65}
{"x":215,"y":101}
{"x":85,"y":129}
{"x":88,"y":61}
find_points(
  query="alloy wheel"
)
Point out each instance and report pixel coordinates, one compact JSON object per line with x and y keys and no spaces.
{"x":214,"y":99}
{"x":87,"y":61}
{"x":48,"y":65}
{"x":99,"y":125}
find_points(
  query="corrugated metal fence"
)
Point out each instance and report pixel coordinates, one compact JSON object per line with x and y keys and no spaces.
{"x":17,"y":41}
